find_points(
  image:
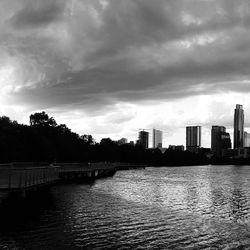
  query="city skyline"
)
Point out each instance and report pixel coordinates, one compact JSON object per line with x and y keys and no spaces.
{"x":124,"y":124}
{"x":107,"y":67}
{"x":220,"y":138}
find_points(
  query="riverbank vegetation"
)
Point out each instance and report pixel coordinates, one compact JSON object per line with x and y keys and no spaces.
{"x":46,"y":141}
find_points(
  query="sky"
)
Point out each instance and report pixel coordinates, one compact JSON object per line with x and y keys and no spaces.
{"x":111,"y":67}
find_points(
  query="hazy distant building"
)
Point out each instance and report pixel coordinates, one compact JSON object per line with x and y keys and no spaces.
{"x":157,"y":138}
{"x":220,"y":140}
{"x":163,"y":150}
{"x":246,"y":139}
{"x":238,"y":126}
{"x":193,"y":138}
{"x":229,"y":153}
{"x":132,"y":143}
{"x":143,"y":138}
{"x":122,"y":141}
{"x":243,"y":152}
{"x":176,"y":147}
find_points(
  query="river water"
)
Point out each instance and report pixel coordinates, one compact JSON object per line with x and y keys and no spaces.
{"x":198,"y":207}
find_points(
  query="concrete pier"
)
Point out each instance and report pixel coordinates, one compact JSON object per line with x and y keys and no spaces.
{"x":21,"y":177}
{"x":85,"y":171}
{"x":16,"y":176}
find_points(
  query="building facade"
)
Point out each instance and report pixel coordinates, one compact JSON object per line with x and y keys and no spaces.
{"x":122,"y":141}
{"x":238,"y":126}
{"x":157,"y":138}
{"x":246,"y":139}
{"x":143,"y":139}
{"x":193,"y":138}
{"x":220,"y":140}
{"x":243,"y":153}
{"x":176,"y":147}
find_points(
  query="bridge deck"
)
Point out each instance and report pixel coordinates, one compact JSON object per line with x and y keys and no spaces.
{"x":79,"y":167}
{"x":23,"y":177}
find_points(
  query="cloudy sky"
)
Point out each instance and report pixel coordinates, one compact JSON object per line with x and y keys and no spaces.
{"x":111,"y":67}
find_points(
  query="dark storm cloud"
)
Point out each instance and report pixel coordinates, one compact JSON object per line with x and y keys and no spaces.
{"x":35,"y":13}
{"x":96,"y":53}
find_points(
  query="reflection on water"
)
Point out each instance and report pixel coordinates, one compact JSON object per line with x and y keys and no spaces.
{"x":204,"y":207}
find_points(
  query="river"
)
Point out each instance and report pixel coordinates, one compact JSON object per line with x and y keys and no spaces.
{"x":197,"y":207}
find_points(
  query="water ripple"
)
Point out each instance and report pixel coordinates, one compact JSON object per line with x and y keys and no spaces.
{"x":202,"y":207}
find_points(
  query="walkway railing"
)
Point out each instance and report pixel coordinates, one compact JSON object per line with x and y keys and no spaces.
{"x":21,"y":176}
{"x":85,"y":167}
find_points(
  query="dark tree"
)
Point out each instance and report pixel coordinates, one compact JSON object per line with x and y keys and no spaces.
{"x":88,"y":139}
{"x":42,"y":119}
{"x":45,"y":141}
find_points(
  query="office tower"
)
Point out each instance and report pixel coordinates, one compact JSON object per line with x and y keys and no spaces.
{"x":157,"y":138}
{"x":193,"y":138}
{"x":220,"y":140}
{"x":215,"y":138}
{"x":143,"y":138}
{"x":238,"y":126}
{"x":246,"y":139}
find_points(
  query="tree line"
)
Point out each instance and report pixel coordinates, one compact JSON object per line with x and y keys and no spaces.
{"x":46,"y":141}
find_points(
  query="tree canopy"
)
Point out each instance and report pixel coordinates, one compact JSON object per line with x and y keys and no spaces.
{"x":42,"y":119}
{"x":46,"y":141}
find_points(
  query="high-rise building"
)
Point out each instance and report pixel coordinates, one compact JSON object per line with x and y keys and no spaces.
{"x":143,"y":138}
{"x":238,"y":126}
{"x":193,"y":138}
{"x":220,"y":140}
{"x":157,"y":138}
{"x":246,"y":139}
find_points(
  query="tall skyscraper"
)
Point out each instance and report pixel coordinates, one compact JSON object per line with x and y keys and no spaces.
{"x":238,"y":126}
{"x":143,"y":138}
{"x":193,"y":138}
{"x":157,"y":138}
{"x":220,"y":140}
